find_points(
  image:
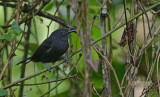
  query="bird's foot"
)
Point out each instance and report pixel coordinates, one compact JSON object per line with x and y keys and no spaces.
{"x":65,"y":58}
{"x":48,"y":68}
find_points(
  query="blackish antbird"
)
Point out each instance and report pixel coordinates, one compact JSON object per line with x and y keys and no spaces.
{"x":51,"y":48}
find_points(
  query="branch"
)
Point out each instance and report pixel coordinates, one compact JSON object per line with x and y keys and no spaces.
{"x":46,"y":82}
{"x":56,"y":19}
{"x":30,"y":76}
{"x":111,"y":68}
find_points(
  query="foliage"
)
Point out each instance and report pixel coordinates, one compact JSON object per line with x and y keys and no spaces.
{"x":16,"y":29}
{"x":3,"y":92}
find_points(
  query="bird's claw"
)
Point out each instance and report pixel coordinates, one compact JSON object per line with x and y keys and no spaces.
{"x":48,"y":68}
{"x":65,"y":59}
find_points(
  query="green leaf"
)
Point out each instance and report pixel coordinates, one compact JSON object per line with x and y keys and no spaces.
{"x":94,"y":9}
{"x":6,"y":36}
{"x":1,"y":28}
{"x":16,"y":28}
{"x":3,"y":92}
{"x":49,"y":6}
{"x":2,"y":36}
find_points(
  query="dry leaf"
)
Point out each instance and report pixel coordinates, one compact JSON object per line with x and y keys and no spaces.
{"x":130,"y":34}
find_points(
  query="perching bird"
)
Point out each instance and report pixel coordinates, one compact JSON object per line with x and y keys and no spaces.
{"x":51,"y":48}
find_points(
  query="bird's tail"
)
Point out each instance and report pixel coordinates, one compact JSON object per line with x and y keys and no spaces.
{"x":25,"y":61}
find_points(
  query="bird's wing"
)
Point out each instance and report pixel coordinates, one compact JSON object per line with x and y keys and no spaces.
{"x":43,"y":50}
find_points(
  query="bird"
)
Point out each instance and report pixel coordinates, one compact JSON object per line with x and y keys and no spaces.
{"x":52,"y":48}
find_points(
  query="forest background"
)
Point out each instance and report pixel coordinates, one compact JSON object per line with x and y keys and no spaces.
{"x":115,"y":51}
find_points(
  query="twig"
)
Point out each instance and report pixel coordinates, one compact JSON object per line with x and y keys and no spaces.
{"x":98,"y":3}
{"x":158,"y":74}
{"x":18,"y":12}
{"x":54,"y":15}
{"x":113,"y":70}
{"x":113,"y":30}
{"x":46,"y":82}
{"x":9,"y":58}
{"x":94,"y":89}
{"x":30,"y":76}
{"x":151,"y":69}
{"x":26,"y":48}
{"x":56,"y":19}
{"x":28,"y":17}
{"x":127,"y":71}
{"x":147,"y":89}
{"x":104,"y":2}
{"x":145,"y":13}
{"x":59,"y":82}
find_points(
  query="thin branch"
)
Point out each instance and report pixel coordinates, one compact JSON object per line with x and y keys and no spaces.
{"x":111,"y":68}
{"x":58,"y":83}
{"x":145,"y":13}
{"x":30,"y":76}
{"x":26,"y":48}
{"x":158,"y":73}
{"x":46,"y":82}
{"x":9,"y":58}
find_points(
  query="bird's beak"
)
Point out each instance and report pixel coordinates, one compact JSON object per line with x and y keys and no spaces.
{"x":73,"y":30}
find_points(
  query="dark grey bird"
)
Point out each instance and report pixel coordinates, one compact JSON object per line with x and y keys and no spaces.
{"x":51,"y":48}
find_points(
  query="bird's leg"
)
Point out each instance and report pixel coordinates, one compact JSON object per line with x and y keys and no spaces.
{"x":48,"y":67}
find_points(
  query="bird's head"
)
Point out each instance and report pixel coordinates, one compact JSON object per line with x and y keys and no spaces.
{"x":63,"y":32}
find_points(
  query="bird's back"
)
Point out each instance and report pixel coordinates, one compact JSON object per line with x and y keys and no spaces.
{"x":51,"y":49}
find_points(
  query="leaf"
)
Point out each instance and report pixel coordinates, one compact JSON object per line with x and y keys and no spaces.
{"x":1,"y":36}
{"x":93,"y":9}
{"x":49,"y":6}
{"x":129,"y":32}
{"x":1,"y":28}
{"x":3,"y":92}
{"x":123,"y":41}
{"x":16,"y":28}
{"x":6,"y":36}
